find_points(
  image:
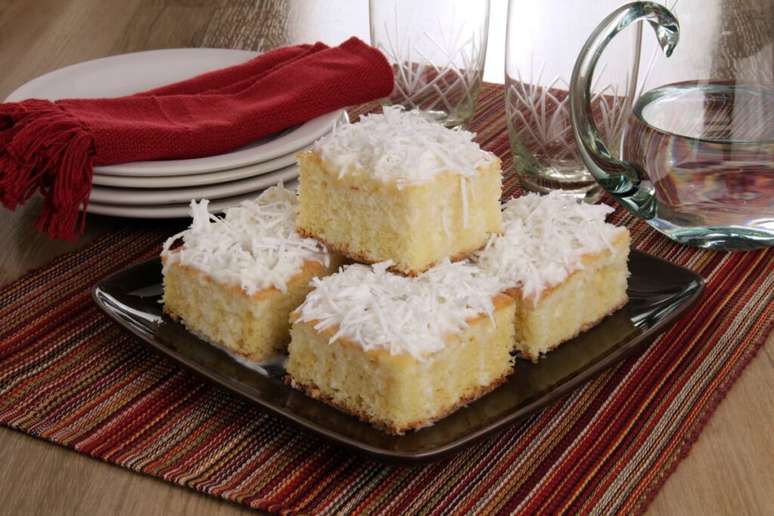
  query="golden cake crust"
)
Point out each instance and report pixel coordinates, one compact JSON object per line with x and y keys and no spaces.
{"x":310,"y":267}
{"x":344,"y":250}
{"x":499,"y":301}
{"x":252,"y":326}
{"x":313,"y":391}
{"x":393,"y":201}
{"x":588,"y":260}
{"x":380,"y":360}
{"x":585,"y":327}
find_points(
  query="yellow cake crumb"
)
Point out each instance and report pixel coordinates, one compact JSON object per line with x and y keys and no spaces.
{"x":253,"y":326}
{"x":414,"y":226}
{"x":578,"y":303}
{"x":398,"y":393}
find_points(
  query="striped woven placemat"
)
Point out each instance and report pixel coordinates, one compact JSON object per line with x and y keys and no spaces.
{"x":69,"y":375}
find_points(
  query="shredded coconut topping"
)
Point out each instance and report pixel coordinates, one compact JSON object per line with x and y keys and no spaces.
{"x":381,"y":310}
{"x":544,"y":238}
{"x":399,"y":146}
{"x":255,"y":244}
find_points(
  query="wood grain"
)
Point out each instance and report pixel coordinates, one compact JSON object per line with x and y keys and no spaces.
{"x":40,"y":478}
{"x":727,"y":472}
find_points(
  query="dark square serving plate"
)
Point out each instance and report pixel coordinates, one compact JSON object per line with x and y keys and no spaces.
{"x":659,"y":292}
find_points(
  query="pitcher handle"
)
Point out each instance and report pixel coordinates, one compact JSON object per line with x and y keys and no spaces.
{"x":621,"y":178}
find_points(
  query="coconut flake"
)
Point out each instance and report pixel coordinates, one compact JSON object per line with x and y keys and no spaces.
{"x":254,"y":245}
{"x":544,"y":239}
{"x":381,"y":310}
{"x":399,"y":146}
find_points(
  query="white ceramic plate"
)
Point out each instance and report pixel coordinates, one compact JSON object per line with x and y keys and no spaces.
{"x":206,"y":178}
{"x":174,"y":211}
{"x":130,"y":73}
{"x":135,"y":196}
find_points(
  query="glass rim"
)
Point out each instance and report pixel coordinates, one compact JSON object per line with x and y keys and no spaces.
{"x":661,"y":91}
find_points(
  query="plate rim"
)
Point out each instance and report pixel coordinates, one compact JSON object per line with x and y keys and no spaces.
{"x":67,"y":68}
{"x":203,"y":179}
{"x":694,"y":290}
{"x":214,"y":191}
{"x":172,"y":211}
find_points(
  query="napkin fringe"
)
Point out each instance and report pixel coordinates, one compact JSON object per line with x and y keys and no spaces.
{"x":45,"y":149}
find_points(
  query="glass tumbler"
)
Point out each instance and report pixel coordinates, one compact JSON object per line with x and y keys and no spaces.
{"x":543,"y":39}
{"x":437,"y":50}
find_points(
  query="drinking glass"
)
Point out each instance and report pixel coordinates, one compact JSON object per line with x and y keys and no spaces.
{"x":542,"y":42}
{"x":437,"y":50}
{"x":697,"y":153}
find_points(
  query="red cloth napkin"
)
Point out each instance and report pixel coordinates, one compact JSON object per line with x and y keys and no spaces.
{"x":51,"y":147}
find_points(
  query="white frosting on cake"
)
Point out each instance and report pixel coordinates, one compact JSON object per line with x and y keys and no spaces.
{"x":544,"y":239}
{"x":381,"y":310}
{"x":255,"y":244}
{"x":399,"y":146}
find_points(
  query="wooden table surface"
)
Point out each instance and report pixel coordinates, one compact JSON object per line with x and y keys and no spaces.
{"x":729,"y":470}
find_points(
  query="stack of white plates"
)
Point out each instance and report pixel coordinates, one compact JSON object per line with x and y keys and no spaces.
{"x":164,"y":189}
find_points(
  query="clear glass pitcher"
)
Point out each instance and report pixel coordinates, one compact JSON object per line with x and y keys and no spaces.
{"x":697,"y":154}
